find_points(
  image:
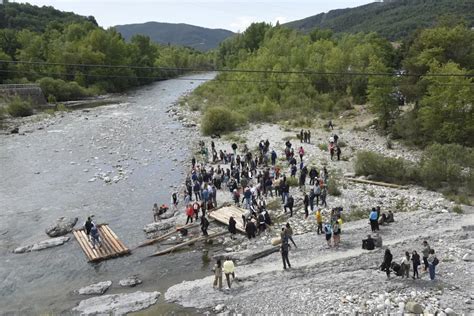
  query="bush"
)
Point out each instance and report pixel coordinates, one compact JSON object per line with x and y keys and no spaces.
{"x":457,"y":209}
{"x":61,"y":90}
{"x":323,"y":146}
{"x":219,"y":119}
{"x":333,"y":187}
{"x":386,"y":169}
{"x":18,"y":107}
{"x":444,"y":164}
{"x":292,"y":181}
{"x":355,"y":214}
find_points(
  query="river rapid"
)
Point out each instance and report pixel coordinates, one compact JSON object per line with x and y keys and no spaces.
{"x":49,"y":172}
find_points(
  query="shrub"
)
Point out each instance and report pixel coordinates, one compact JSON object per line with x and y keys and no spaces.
{"x":292,"y":181}
{"x":323,"y":146}
{"x":333,"y":187}
{"x":61,"y":90}
{"x":355,"y":214}
{"x":444,"y":164}
{"x":457,"y":209}
{"x":219,"y":119}
{"x":386,"y":169}
{"x":18,"y":107}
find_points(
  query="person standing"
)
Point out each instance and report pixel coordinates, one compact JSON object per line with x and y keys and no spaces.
{"x":95,"y":237}
{"x":204,"y":225}
{"x":373,"y":220}
{"x":328,"y":233}
{"x":338,"y":153}
{"x":232,"y":224}
{"x":387,"y":262}
{"x":306,"y":205}
{"x":89,"y":224}
{"x":174,"y":198}
{"x":432,"y":263}
{"x":284,"y":249}
{"x":405,"y":265}
{"x":415,"y":258}
{"x":301,"y":152}
{"x":336,"y":234}
{"x":250,"y":229}
{"x":425,"y":252}
{"x":189,"y":213}
{"x":319,"y":221}
{"x":218,"y":274}
{"x":289,"y":204}
{"x":229,"y":269}
{"x":324,"y":193}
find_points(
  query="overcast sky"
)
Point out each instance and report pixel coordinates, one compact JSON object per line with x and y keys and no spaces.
{"x":234,"y":15}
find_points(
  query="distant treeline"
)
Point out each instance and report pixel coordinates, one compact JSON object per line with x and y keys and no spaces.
{"x":71,"y":45}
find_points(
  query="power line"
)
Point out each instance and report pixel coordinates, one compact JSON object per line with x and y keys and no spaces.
{"x":226,"y":70}
{"x":158,"y":78}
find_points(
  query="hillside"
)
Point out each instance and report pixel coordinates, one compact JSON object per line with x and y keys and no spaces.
{"x":393,"y":20}
{"x":200,"y":38}
{"x":26,"y":16}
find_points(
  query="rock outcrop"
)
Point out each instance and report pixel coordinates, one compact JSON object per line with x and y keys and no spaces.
{"x":63,"y":226}
{"x":117,"y":304}
{"x":45,"y":244}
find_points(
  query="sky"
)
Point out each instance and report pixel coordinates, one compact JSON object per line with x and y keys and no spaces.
{"x":234,"y":15}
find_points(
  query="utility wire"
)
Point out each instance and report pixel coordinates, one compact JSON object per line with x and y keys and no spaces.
{"x":158,"y":78}
{"x":302,"y":72}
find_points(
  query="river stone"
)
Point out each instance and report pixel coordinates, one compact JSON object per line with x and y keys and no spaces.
{"x":450,"y":312}
{"x":63,"y":226}
{"x":468,"y":257}
{"x":153,"y":227}
{"x":97,"y":288}
{"x":49,"y":243}
{"x":130,"y":281}
{"x":413,"y":307}
{"x":117,"y":304}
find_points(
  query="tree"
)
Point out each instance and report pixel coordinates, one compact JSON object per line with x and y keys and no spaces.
{"x":381,"y":96}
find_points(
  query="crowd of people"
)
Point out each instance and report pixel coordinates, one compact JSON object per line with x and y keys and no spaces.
{"x":402,"y":267}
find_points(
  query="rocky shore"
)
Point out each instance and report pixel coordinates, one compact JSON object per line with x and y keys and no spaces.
{"x":345,"y":280}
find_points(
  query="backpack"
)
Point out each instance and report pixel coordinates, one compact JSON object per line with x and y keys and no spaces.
{"x":435,"y":261}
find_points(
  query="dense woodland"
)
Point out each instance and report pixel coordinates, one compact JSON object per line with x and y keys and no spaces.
{"x":52,"y":38}
{"x":395,"y":19}
{"x":439,"y":108}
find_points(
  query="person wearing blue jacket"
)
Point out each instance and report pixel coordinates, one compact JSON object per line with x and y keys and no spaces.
{"x":373,"y":220}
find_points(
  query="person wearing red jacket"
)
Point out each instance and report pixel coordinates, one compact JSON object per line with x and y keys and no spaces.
{"x":189,"y":213}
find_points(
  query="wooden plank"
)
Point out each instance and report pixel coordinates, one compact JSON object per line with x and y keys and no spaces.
{"x":191,"y":241}
{"x":109,"y":239}
{"x":86,"y":242}
{"x":83,"y":246}
{"x":223,"y":214}
{"x":116,"y":240}
{"x":384,"y":184}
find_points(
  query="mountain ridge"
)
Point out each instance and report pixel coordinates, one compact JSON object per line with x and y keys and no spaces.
{"x":197,"y":37}
{"x":391,"y":19}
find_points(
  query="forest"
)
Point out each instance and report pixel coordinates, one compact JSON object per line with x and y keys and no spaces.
{"x":297,"y":76}
{"x":66,"y":54}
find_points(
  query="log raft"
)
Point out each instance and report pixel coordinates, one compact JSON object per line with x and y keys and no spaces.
{"x":383,"y":184}
{"x":111,"y":246}
{"x":189,"y":242}
{"x":222,"y":215}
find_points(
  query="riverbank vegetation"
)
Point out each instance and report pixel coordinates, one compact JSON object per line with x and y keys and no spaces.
{"x":66,"y":53}
{"x":290,"y":75}
{"x":447,"y":168}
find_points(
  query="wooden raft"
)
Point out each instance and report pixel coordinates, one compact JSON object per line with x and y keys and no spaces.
{"x":383,"y":184}
{"x":111,"y":246}
{"x":223,"y":214}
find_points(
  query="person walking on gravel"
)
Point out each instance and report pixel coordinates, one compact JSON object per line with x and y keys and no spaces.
{"x":415,"y":258}
{"x":284,"y":250}
{"x":387,"y":262}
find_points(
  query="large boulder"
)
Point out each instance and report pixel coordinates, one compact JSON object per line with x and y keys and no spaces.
{"x":45,"y":244}
{"x":97,"y":288}
{"x":469,"y":257}
{"x":63,"y":226}
{"x":158,"y":226}
{"x":413,"y":308}
{"x":117,"y":304}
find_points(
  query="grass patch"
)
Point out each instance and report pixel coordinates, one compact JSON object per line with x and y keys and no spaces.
{"x":323,"y":146}
{"x":274,"y":205}
{"x":333,"y":187}
{"x":356,"y":214}
{"x":236,"y":138}
{"x":401,"y":205}
{"x":458,"y":209}
{"x":341,"y":143}
{"x":459,"y":198}
{"x":18,"y":107}
{"x":292,"y":181}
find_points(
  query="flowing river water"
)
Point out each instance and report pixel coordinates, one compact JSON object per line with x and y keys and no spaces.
{"x":49,"y":172}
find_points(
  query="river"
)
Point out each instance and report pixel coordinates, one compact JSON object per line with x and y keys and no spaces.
{"x":48,"y":173}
